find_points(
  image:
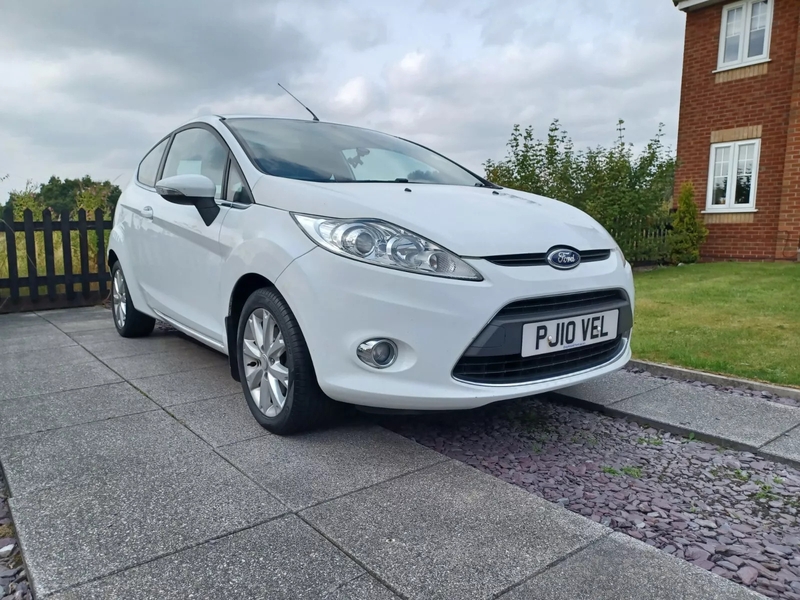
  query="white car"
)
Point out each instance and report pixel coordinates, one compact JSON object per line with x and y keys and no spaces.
{"x":331,"y":262}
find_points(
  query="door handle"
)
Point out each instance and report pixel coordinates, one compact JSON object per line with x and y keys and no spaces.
{"x":147,"y":212}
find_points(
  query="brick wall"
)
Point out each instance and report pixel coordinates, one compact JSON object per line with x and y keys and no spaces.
{"x":744,"y":98}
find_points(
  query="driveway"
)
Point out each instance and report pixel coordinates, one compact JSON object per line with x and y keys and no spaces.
{"x":136,"y":471}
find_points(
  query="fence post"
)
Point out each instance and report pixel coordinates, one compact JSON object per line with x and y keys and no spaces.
{"x":84,"y":246}
{"x":101,"y":253}
{"x":66,"y":249}
{"x":11,"y":252}
{"x":49,"y":257}
{"x":30,"y":256}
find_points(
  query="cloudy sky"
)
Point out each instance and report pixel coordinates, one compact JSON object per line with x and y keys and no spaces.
{"x":87,"y":86}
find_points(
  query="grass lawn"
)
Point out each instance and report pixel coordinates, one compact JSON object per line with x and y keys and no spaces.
{"x":740,"y":319}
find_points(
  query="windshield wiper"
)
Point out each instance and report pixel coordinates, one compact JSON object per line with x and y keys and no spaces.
{"x":398,"y":180}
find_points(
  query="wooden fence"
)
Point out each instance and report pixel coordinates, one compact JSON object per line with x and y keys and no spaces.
{"x":53,"y":262}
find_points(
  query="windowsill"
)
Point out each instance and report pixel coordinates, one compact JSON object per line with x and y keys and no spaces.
{"x":760,"y":61}
{"x":726,"y":210}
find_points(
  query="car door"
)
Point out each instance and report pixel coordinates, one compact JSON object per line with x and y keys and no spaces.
{"x":132,"y":219}
{"x":184,"y":252}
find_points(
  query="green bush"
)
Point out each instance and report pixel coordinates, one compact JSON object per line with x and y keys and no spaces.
{"x":688,"y":232}
{"x":627,"y":192}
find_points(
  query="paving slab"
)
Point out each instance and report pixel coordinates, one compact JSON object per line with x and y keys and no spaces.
{"x":111,"y":450}
{"x":282,"y":559}
{"x":786,"y":447}
{"x":620,"y":568}
{"x":112,"y":345}
{"x":451,"y":532}
{"x":73,"y":320}
{"x":52,"y":338}
{"x":17,"y":325}
{"x":35,"y":379}
{"x":61,"y":409}
{"x":186,"y":357}
{"x":189,"y":386}
{"x":306,"y":469}
{"x":42,"y":358}
{"x":73,"y":534}
{"x":220,"y":421}
{"x":365,"y":587}
{"x":613,"y":388}
{"x":738,"y":419}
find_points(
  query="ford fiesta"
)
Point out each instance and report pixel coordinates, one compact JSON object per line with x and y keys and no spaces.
{"x":330,"y":262}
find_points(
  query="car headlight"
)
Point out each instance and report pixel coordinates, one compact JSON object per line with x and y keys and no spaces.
{"x":381,"y":243}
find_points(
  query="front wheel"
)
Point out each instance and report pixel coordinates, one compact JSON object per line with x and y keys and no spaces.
{"x":275,"y":367}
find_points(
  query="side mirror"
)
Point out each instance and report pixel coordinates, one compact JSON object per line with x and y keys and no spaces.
{"x":197,"y":190}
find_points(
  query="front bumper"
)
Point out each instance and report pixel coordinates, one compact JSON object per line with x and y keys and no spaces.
{"x":339,"y":303}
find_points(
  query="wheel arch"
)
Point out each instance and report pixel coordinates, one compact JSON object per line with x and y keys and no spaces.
{"x":244,"y":287}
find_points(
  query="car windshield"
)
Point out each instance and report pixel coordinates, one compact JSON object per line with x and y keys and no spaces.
{"x":313,"y":151}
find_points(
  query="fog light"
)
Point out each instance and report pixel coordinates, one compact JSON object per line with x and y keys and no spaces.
{"x":378,"y":354}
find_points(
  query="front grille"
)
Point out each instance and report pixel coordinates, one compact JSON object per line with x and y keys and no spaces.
{"x":577,"y":302}
{"x":540,"y":258}
{"x":515,"y":369}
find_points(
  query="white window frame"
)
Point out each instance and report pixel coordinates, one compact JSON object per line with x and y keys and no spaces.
{"x":730,"y":206}
{"x":743,"y":61}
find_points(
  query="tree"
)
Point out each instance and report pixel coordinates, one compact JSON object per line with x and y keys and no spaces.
{"x":628,"y":193}
{"x":70,"y":195}
{"x":688,"y":231}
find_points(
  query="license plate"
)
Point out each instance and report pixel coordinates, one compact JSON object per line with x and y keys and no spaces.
{"x":573,"y":332}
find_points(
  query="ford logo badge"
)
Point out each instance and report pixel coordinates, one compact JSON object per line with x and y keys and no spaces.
{"x":563,"y":258}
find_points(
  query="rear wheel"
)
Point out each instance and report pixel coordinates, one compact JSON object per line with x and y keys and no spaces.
{"x":129,"y":322}
{"x":275,"y":367}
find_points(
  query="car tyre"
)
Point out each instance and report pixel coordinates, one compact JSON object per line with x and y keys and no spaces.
{"x":275,"y":367}
{"x":130,"y":323}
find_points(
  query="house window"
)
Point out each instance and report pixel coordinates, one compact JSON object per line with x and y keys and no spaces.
{"x":732,"y":176}
{"x":744,"y":37}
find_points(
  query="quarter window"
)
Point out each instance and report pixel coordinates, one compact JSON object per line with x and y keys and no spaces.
{"x":237,"y":189}
{"x":732,"y":176}
{"x":745,"y":33}
{"x":197,"y":152}
{"x":148,"y":168}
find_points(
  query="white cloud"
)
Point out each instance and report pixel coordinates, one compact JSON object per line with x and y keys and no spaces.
{"x":89,"y":89}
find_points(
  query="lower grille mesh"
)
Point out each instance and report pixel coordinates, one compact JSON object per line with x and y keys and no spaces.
{"x":515,"y":369}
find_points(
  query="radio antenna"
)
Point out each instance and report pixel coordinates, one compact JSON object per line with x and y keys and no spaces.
{"x":298,"y":101}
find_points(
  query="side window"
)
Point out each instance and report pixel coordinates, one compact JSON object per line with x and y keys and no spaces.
{"x":197,"y":152}
{"x":237,"y":190}
{"x":148,"y":168}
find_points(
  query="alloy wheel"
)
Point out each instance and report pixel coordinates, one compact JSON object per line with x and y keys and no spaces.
{"x":119,"y":298}
{"x":265,"y":362}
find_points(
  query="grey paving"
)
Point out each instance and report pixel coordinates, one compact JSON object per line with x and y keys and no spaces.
{"x":621,"y":568}
{"x":306,"y":469}
{"x":10,"y":326}
{"x":365,"y":587}
{"x":451,"y":532}
{"x":52,"y":338}
{"x":83,"y":322}
{"x":786,"y":447}
{"x":220,"y":420}
{"x":110,"y":345}
{"x":20,"y":416}
{"x":120,"y":448}
{"x":43,"y":358}
{"x":187,"y":357}
{"x":283,"y":559}
{"x":73,"y":534}
{"x":38,"y":379}
{"x":613,"y":388}
{"x":737,"y":419}
{"x":189,"y":386}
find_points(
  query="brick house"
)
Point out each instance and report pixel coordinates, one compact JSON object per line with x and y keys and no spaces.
{"x":739,"y":129}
